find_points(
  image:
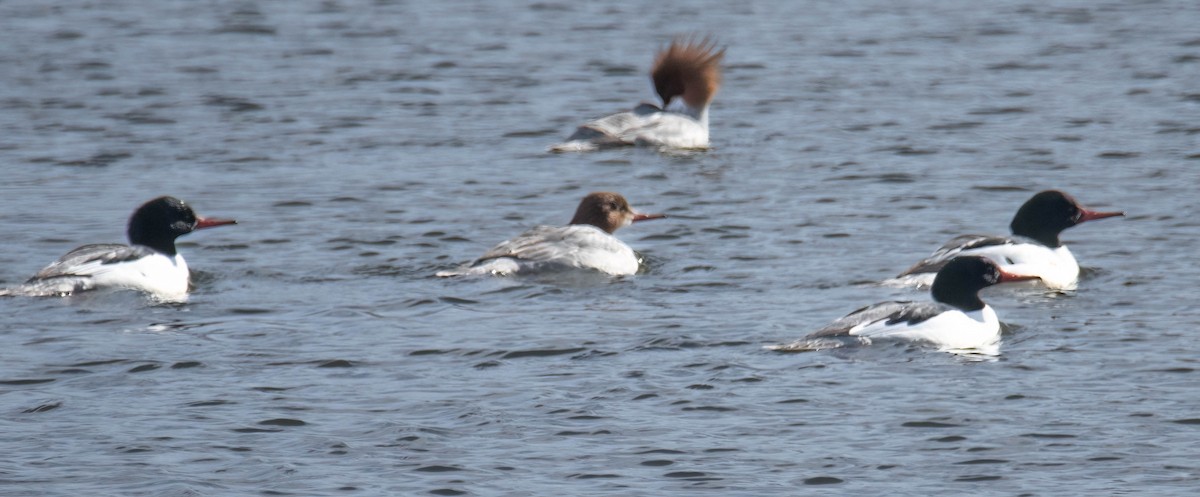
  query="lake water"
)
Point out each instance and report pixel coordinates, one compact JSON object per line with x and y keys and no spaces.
{"x":363,"y":146}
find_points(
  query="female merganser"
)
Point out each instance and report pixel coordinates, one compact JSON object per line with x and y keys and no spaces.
{"x":689,"y":69}
{"x":586,"y":243}
{"x":956,"y":320}
{"x":1034,"y":249}
{"x":149,"y":263}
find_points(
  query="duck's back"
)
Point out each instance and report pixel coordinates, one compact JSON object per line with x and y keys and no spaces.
{"x":646,"y":125}
{"x":99,"y":266}
{"x":546,"y":248}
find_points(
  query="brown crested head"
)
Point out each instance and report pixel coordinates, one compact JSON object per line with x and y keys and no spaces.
{"x":690,"y":69}
{"x":608,"y":211}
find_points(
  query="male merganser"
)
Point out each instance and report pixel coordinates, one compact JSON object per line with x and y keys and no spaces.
{"x":586,"y":243}
{"x":1034,"y":249}
{"x":149,"y":263}
{"x":689,"y":69}
{"x":956,"y":320}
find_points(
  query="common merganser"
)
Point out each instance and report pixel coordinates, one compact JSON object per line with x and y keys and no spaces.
{"x":1034,"y":249}
{"x":149,"y":263}
{"x":956,"y":320}
{"x":689,"y":69}
{"x":586,"y":243}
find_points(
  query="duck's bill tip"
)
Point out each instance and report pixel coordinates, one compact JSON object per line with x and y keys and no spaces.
{"x":647,"y":217}
{"x":1006,"y":277}
{"x":206,"y":222}
{"x":1086,"y":215}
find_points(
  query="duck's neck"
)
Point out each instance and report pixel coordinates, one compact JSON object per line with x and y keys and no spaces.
{"x":164,"y":244}
{"x":1048,"y":238}
{"x":700,"y":114}
{"x":965,"y":300}
{"x":1039,"y":231}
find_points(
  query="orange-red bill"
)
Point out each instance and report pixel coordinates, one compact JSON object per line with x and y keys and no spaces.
{"x":1006,"y":277}
{"x":202,"y":222}
{"x":646,"y":217}
{"x":1086,"y":215}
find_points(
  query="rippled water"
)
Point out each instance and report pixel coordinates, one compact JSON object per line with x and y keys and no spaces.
{"x":365,"y":145}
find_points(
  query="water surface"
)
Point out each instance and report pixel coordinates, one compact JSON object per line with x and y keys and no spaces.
{"x":363,"y":146}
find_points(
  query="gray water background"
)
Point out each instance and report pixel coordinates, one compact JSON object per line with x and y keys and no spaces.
{"x":365,"y":145}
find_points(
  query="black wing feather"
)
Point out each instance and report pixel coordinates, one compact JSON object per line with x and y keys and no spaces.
{"x":88,"y":255}
{"x":952,"y":248}
{"x":893,"y":312}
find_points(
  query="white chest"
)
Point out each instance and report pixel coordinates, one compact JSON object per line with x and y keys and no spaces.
{"x":161,"y":276}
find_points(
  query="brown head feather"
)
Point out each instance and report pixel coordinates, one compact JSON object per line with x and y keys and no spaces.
{"x":604,"y":210}
{"x":608,"y":211}
{"x":688,"y":68}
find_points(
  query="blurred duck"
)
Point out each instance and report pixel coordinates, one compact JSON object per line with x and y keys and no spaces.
{"x":687,"y":73}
